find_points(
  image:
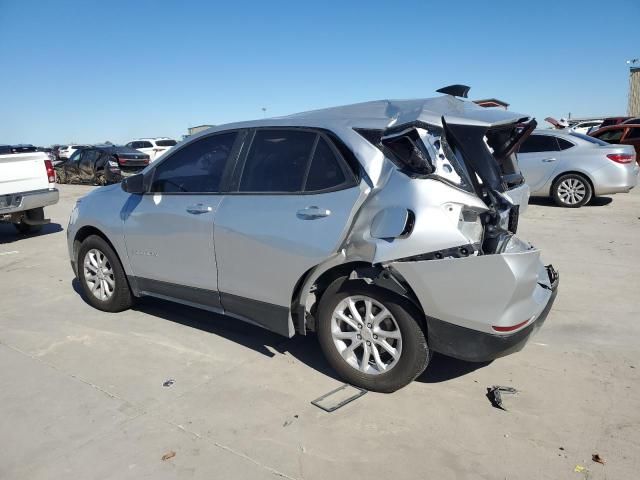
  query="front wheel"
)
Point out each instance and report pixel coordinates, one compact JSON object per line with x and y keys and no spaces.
{"x":102,"y":277}
{"x":571,"y":190}
{"x":372,"y":337}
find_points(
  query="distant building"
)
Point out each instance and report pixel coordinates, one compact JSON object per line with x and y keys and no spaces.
{"x":198,"y":129}
{"x":492,"y":102}
{"x":633,"y":110}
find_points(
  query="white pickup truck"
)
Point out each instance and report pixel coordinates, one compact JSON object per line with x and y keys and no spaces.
{"x":27,"y":185}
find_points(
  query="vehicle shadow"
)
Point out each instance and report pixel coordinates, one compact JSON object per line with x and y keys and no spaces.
{"x":304,"y":348}
{"x":8,"y":233}
{"x":548,"y":202}
{"x":442,"y":368}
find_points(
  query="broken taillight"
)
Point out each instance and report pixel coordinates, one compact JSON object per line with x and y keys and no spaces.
{"x":621,"y":157}
{"x":51,"y":173}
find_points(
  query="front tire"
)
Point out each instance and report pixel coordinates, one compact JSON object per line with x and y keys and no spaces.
{"x":371,"y":336}
{"x":571,"y":190}
{"x":102,"y":277}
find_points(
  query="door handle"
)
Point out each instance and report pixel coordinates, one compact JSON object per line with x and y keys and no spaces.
{"x":198,"y":208}
{"x":312,"y":213}
{"x":547,"y":160}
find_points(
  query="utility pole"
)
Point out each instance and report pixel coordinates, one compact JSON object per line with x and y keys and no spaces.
{"x":633,"y":109}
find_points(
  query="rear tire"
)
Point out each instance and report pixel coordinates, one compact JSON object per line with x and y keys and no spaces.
{"x":102,"y":278}
{"x":378,"y":355}
{"x":33,"y":214}
{"x":571,"y":190}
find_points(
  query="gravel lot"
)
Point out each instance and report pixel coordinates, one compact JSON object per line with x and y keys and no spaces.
{"x":82,"y":392}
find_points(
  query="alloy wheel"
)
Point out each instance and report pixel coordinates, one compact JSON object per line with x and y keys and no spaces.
{"x":98,"y":275}
{"x":572,"y":191}
{"x":366,"y":335}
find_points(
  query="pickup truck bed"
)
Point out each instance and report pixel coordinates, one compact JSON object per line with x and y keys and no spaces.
{"x":27,"y":185}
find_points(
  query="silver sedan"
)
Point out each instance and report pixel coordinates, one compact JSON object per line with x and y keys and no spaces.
{"x":572,"y":168}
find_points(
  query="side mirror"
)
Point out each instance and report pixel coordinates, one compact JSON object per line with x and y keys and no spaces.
{"x":134,"y":184}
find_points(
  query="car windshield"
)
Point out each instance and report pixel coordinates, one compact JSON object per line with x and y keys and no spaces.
{"x":589,"y":139}
{"x":165,"y":143}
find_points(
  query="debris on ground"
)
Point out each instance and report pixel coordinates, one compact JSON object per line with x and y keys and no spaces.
{"x":290,"y":421}
{"x":168,"y":455}
{"x":494,"y":394}
{"x":598,"y":459}
{"x":580,"y":469}
{"x":330,"y":402}
{"x":169,"y":382}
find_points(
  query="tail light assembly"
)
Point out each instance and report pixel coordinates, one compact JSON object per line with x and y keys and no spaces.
{"x":51,"y":173}
{"x":621,"y":157}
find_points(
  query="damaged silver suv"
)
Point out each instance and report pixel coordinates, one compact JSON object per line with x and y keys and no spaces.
{"x":387,"y":228}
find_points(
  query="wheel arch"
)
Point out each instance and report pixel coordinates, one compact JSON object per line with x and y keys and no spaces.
{"x":85,"y":232}
{"x":316,"y":281}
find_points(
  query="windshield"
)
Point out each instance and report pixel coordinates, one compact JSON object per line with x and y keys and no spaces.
{"x":165,"y":143}
{"x":587,"y":138}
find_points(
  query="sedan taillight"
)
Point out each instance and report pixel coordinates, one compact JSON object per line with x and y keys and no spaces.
{"x":51,"y":173}
{"x":622,"y":157}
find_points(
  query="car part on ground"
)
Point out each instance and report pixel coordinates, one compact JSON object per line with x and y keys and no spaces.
{"x":571,"y":168}
{"x":376,"y":225}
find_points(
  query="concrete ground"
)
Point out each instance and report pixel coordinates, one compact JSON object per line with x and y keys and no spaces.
{"x":82,"y":395}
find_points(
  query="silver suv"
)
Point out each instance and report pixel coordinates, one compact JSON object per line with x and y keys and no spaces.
{"x":387,"y":228}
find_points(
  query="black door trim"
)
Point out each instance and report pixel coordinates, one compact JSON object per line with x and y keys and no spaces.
{"x":266,"y":315}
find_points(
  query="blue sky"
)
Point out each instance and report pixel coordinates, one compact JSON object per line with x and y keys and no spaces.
{"x":92,"y":71}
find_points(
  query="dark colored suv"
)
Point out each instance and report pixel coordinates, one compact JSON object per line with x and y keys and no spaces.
{"x":101,"y":165}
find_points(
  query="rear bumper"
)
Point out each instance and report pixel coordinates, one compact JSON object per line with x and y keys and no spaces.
{"x":473,"y":346}
{"x":471,"y":303}
{"x":20,"y":202}
{"x":615,"y":178}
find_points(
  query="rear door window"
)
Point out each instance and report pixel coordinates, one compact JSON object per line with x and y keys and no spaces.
{"x":197,"y":167}
{"x":327,"y":171}
{"x":564,"y":144}
{"x":277,"y":161}
{"x":539,"y":143}
{"x":165,"y":143}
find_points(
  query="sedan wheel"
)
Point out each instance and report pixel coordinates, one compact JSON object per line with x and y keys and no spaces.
{"x":572,"y":191}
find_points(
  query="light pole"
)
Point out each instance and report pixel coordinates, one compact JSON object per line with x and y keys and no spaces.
{"x":264,"y":112}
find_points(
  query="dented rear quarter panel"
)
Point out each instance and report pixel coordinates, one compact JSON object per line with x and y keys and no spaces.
{"x":480,"y":291}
